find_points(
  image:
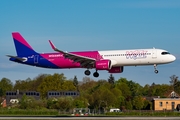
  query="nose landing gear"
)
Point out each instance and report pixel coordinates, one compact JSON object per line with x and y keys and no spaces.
{"x":155,"y":67}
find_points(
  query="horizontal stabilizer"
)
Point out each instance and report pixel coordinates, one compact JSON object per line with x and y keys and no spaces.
{"x":18,"y":58}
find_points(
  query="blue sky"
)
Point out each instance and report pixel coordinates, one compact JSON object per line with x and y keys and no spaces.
{"x":91,"y":25}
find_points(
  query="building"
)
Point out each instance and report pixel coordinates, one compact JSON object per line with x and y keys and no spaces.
{"x":56,"y":94}
{"x":14,"y":96}
{"x":170,"y":103}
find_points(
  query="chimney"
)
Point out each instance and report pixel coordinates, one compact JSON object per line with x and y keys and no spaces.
{"x":17,"y":91}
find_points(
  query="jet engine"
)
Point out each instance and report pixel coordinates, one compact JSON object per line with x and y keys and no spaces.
{"x":104,"y":64}
{"x":116,"y":69}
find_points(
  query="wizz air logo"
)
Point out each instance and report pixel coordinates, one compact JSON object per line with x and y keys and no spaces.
{"x":137,"y":54}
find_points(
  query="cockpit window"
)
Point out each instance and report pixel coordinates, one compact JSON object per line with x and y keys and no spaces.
{"x":165,"y":53}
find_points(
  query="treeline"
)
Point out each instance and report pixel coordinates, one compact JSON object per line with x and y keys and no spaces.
{"x":104,"y":94}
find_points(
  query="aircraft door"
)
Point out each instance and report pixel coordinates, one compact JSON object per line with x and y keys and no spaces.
{"x":154,"y":53}
{"x":36,"y":59}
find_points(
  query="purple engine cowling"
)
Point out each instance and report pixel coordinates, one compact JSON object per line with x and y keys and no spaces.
{"x":103,"y":65}
{"x":116,"y":69}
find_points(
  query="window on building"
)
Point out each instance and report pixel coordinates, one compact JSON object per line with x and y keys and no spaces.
{"x":160,"y":104}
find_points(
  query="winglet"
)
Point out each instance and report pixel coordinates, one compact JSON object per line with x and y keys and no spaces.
{"x":54,"y":48}
{"x":52,"y":45}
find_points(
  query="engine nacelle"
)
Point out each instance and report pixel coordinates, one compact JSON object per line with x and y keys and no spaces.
{"x":116,"y":69}
{"x":103,"y":65}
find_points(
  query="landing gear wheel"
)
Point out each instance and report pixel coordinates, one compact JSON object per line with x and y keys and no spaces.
{"x":96,"y":74}
{"x":156,"y":71}
{"x":87,"y":72}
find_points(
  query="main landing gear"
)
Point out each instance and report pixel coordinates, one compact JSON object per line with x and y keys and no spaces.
{"x":87,"y":72}
{"x":155,"y":67}
{"x":95,"y":74}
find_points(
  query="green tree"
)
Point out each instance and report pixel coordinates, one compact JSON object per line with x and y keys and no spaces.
{"x":123,"y":87}
{"x":51,"y":82}
{"x":111,"y":79}
{"x":128,"y":105}
{"x":159,"y":90}
{"x":51,"y":103}
{"x":138,"y":102}
{"x":64,"y":103}
{"x":152,"y":90}
{"x":37,"y":81}
{"x":173,"y":81}
{"x":135,"y":88}
{"x":147,"y":105}
{"x":68,"y":85}
{"x":177,"y":87}
{"x":119,"y":100}
{"x":75,"y":83}
{"x":27,"y":102}
{"x":5,"y":85}
{"x":80,"y":102}
{"x":145,"y":90}
{"x":23,"y":85}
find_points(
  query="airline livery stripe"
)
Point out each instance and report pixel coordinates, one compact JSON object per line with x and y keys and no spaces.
{"x":19,"y":38}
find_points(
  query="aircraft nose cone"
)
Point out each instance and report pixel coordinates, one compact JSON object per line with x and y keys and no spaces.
{"x":174,"y":58}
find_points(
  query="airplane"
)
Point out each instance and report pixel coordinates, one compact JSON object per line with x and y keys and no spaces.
{"x":112,"y":61}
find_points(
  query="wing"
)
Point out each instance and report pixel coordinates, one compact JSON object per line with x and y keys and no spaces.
{"x":86,"y":62}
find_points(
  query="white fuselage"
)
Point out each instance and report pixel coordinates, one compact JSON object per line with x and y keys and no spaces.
{"x":138,"y":57}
